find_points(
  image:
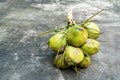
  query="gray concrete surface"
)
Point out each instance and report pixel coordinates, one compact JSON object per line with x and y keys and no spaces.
{"x":24,"y":56}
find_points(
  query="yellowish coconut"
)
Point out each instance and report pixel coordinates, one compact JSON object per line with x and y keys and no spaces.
{"x":57,"y":42}
{"x":91,"y":47}
{"x":76,"y":35}
{"x":59,"y":62}
{"x":73,"y":55}
{"x":85,"y":62}
{"x":93,"y":30}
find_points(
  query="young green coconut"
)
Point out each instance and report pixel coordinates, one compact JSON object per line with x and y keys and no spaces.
{"x":73,"y":55}
{"x":59,"y":62}
{"x":85,"y":62}
{"x":93,"y":30}
{"x":91,"y":47}
{"x":76,"y":35}
{"x":58,"y":42}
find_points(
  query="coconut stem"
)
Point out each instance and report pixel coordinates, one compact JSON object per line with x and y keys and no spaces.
{"x":57,"y":55}
{"x":47,"y":32}
{"x":76,"y":70}
{"x":89,"y":19}
{"x":63,"y":57}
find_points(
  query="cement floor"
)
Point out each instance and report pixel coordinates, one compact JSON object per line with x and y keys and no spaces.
{"x":25,"y":56}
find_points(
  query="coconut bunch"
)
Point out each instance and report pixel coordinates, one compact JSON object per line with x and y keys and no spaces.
{"x":75,"y":44}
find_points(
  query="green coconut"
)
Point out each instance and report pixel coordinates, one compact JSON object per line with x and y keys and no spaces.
{"x":73,"y":55}
{"x":91,"y":47}
{"x":58,"y":42}
{"x":85,"y":62}
{"x":93,"y":30}
{"x":59,"y":62}
{"x":76,"y":35}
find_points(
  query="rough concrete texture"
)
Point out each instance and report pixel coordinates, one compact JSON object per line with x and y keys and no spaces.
{"x":25,"y":56}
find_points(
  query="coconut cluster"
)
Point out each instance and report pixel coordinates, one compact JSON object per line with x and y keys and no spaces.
{"x":75,"y":45}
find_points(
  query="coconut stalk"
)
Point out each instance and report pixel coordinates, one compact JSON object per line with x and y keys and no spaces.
{"x":90,"y":18}
{"x":49,"y":31}
{"x":76,"y":70}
